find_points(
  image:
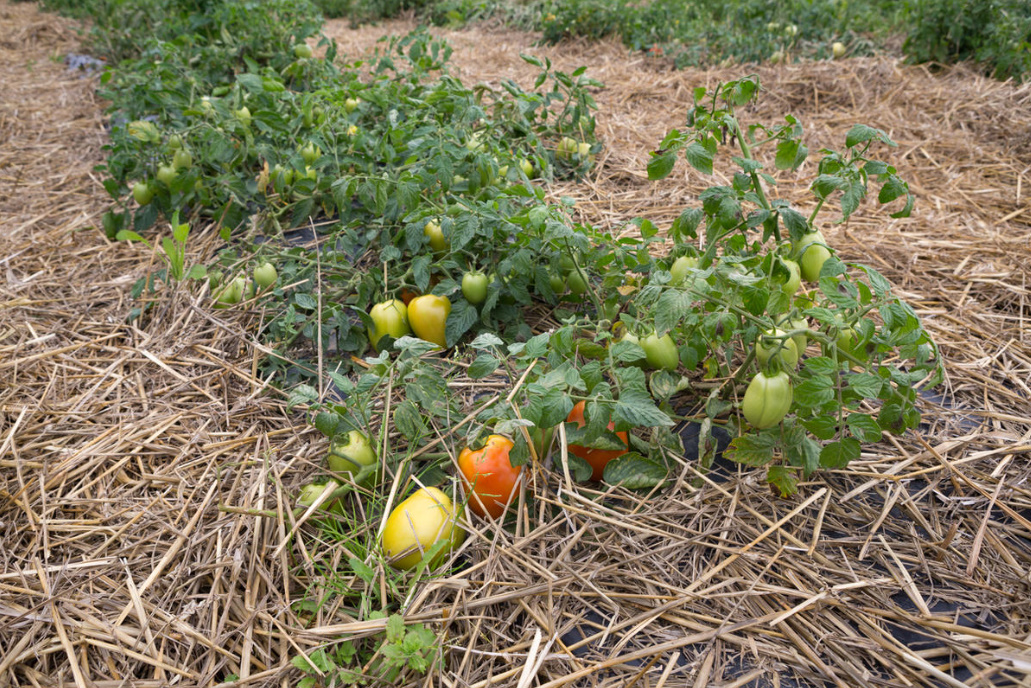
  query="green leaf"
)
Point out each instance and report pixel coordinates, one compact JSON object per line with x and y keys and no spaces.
{"x":635,"y":472}
{"x":838,"y":454}
{"x":752,"y":450}
{"x":462,"y":317}
{"x":784,"y":479}
{"x":484,"y":365}
{"x":409,"y":421}
{"x":861,"y":133}
{"x":639,"y":410}
{"x":672,"y":306}
{"x":866,"y":384}
{"x":864,"y":428}
{"x":327,"y":423}
{"x":661,"y":165}
{"x":699,"y":157}
{"x":822,"y":427}
{"x":549,"y":409}
{"x":814,"y":392}
{"x":790,"y":154}
{"x":301,"y":394}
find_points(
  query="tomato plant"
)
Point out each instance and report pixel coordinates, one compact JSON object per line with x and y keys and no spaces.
{"x":416,"y":524}
{"x":597,"y":458}
{"x":488,"y":476}
{"x":767,"y":399}
{"x":427,"y":315}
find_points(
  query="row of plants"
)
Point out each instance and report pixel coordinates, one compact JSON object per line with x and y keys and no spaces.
{"x":429,"y":247}
{"x":995,"y":34}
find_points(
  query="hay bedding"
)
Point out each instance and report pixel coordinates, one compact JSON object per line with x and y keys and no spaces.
{"x":133,"y":458}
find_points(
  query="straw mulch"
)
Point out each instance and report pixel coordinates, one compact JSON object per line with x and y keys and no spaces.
{"x":133,"y":456}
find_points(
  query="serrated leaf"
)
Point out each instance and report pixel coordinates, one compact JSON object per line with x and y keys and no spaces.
{"x":327,"y":423}
{"x":751,"y":450}
{"x":822,"y":427}
{"x":814,"y":392}
{"x":635,"y":472}
{"x":409,"y":421}
{"x":463,"y":316}
{"x":639,"y":410}
{"x":699,"y":157}
{"x":484,"y":365}
{"x":860,"y":133}
{"x":838,"y":454}
{"x":783,"y":479}
{"x":867,"y":385}
{"x":301,"y":394}
{"x":864,"y":428}
{"x":661,"y":165}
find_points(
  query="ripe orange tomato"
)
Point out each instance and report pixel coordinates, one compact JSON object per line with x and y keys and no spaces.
{"x":598,"y":458}
{"x":488,"y":476}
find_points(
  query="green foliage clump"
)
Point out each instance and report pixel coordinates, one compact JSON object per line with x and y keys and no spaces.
{"x":994,"y":33}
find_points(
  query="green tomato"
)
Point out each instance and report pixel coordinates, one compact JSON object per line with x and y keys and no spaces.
{"x":310,"y":153}
{"x":265,"y":275}
{"x":303,"y":51}
{"x":244,"y":115}
{"x":576,"y":283}
{"x":312,"y":491}
{"x":351,"y":104}
{"x":846,"y":342}
{"x":206,"y":106}
{"x":838,"y":50}
{"x":558,"y":285}
{"x":775,"y":345}
{"x":811,"y":252}
{"x":767,"y":400}
{"x":142,"y":192}
{"x":166,"y":174}
{"x":567,"y":148}
{"x":438,"y":242}
{"x":427,"y":315}
{"x":789,"y":324}
{"x":474,"y":287}
{"x":231,"y":293}
{"x":182,"y":160}
{"x":389,"y":318}
{"x":351,"y":453}
{"x":175,"y":142}
{"x":680,"y":268}
{"x":527,"y":167}
{"x":660,"y":352}
{"x":794,"y":280}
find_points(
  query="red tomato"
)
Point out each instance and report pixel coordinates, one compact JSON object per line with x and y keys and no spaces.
{"x":488,"y":476}
{"x":598,"y":458}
